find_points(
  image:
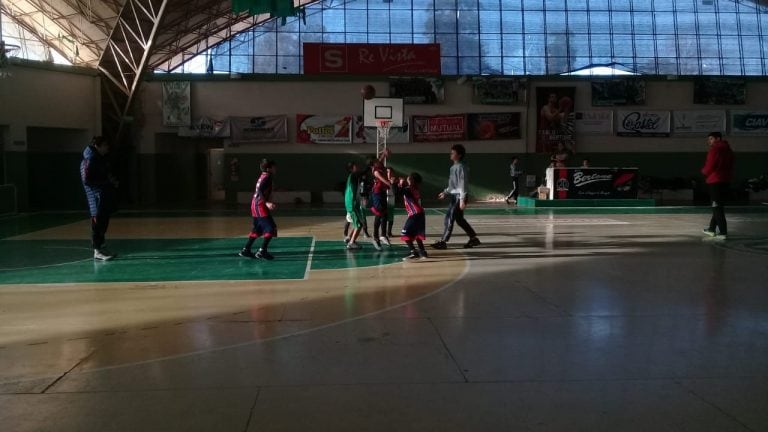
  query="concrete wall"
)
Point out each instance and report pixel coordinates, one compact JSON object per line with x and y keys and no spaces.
{"x":251,"y":98}
{"x":47,"y":115}
{"x":317,"y":167}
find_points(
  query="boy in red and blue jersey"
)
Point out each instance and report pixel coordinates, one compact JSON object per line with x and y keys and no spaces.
{"x":261,"y":211}
{"x":415,"y":227}
{"x":378,"y":200}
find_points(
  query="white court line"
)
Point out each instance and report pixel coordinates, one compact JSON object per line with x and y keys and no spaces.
{"x":44,"y":266}
{"x":539,"y":221}
{"x":309,"y":259}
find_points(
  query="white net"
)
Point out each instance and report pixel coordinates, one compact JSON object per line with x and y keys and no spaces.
{"x":382,"y":126}
{"x":382,"y":133}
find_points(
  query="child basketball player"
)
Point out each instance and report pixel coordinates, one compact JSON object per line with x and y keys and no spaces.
{"x":352,"y":205}
{"x":378,"y":200}
{"x":390,"y":202}
{"x":415,"y":228}
{"x":261,"y":210}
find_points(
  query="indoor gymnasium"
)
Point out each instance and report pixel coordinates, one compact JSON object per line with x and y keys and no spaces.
{"x":383,"y":215}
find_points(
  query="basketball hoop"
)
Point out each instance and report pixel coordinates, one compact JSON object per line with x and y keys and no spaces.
{"x":382,"y":126}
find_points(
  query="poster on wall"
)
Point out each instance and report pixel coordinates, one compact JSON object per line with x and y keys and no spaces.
{"x":598,"y":122}
{"x":719,"y":91}
{"x":644,"y":123}
{"x":417,"y":90}
{"x":367,"y":135}
{"x":627,"y":91}
{"x":494,"y":126}
{"x":321,"y":129}
{"x":698,"y":122}
{"x":260,"y":129}
{"x":555,"y":121}
{"x":439,"y":128}
{"x":749,"y":122}
{"x":206,"y":127}
{"x":499,"y":91}
{"x":176,"y":104}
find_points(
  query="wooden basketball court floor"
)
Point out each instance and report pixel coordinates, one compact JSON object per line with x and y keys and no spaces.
{"x":576,"y":319}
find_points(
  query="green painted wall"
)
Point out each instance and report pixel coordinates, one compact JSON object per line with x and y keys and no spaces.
{"x":489,"y":172}
{"x":16,"y":173}
{"x":48,"y":181}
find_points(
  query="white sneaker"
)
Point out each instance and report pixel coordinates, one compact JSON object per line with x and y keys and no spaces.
{"x":376,"y":244}
{"x":102,"y":255}
{"x":353,"y":246}
{"x":385,"y":240}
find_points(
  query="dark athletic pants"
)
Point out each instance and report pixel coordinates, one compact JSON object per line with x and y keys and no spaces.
{"x":515,"y":189}
{"x":99,"y":225}
{"x":456,"y":214}
{"x":718,"y":194}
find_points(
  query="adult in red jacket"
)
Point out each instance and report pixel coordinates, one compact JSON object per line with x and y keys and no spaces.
{"x":718,"y":171}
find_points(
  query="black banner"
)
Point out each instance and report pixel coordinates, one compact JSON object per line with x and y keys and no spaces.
{"x":596,"y":183}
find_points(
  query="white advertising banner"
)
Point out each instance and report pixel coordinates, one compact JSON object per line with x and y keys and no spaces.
{"x":699,"y":122}
{"x":594,"y":122}
{"x":644,"y":123}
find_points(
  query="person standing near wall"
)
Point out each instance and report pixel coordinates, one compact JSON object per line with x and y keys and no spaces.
{"x":458,"y":193}
{"x":718,"y":170}
{"x":515,"y":172}
{"x":99,"y":185}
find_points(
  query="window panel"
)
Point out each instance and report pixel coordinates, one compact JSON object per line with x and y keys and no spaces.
{"x":356,"y":21}
{"x":469,"y":45}
{"x":535,"y":66}
{"x":469,"y":65}
{"x":490,"y":22}
{"x":467,"y":21}
{"x":445,"y":21}
{"x":333,"y":20}
{"x":401,"y":22}
{"x":556,"y":22}
{"x":491,"y":46}
{"x":623,"y":46}
{"x":491,"y":66}
{"x":512,"y":22}
{"x":513,"y":66}
{"x":578,"y":22}
{"x":599,"y":22}
{"x":265,"y":64}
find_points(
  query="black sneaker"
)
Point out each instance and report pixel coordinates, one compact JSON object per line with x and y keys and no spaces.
{"x":264,"y":255}
{"x":440,"y":244}
{"x":412,"y":256}
{"x":474,"y":241}
{"x":245,"y":253}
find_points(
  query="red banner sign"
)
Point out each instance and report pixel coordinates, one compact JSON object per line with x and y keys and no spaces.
{"x":439,"y":128}
{"x":372,"y":59}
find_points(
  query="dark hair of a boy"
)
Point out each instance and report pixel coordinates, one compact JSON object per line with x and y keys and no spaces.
{"x":416,"y":177}
{"x":460,"y":150}
{"x":266,"y":164}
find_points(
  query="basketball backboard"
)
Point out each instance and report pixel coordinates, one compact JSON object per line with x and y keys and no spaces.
{"x":383,"y":109}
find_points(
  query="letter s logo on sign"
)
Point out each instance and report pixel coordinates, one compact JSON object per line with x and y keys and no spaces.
{"x":333,"y":59}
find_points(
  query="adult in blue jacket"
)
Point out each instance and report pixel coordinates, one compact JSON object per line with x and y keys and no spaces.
{"x":99,"y":185}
